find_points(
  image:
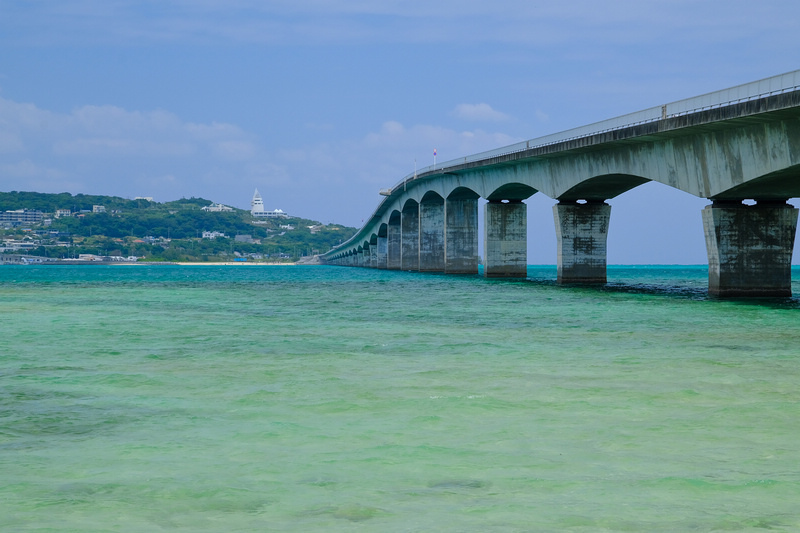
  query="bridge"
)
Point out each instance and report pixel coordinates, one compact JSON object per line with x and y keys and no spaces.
{"x":739,"y":148}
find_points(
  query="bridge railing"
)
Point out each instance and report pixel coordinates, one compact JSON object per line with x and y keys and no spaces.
{"x":741,"y":93}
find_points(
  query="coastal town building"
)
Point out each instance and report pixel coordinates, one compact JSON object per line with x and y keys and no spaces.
{"x":107,"y":258}
{"x":257,"y":208}
{"x":98,"y":209}
{"x":212,"y":234}
{"x":63,"y":213}
{"x":12,"y":245}
{"x":217,"y":208}
{"x":20,"y":217}
{"x":246,"y":239}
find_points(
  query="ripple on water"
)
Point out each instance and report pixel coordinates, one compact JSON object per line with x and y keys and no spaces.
{"x":352,"y":513}
{"x":459,"y":484}
{"x":328,"y":399}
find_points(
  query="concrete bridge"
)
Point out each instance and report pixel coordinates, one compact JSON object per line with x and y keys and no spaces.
{"x":739,"y":148}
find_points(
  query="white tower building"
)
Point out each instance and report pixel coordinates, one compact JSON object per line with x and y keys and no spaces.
{"x":257,"y":205}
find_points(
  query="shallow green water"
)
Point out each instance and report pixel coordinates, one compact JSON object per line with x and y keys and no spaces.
{"x":331,"y":399}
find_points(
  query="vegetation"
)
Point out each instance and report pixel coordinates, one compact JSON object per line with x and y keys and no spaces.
{"x":170,"y":231}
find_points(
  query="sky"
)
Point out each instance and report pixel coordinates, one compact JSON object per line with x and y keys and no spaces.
{"x":321,"y":103}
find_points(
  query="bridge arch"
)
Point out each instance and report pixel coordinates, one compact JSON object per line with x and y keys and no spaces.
{"x":600,"y":188}
{"x":431,"y":197}
{"x":779,"y":185}
{"x":409,"y":204}
{"x":461,"y":193}
{"x":513,"y":192}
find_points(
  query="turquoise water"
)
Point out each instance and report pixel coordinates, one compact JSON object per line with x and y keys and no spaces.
{"x":205,"y":399}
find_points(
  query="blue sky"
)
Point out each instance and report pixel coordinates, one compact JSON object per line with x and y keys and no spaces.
{"x":319,"y":104}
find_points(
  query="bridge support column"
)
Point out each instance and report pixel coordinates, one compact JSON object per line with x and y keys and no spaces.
{"x":380,"y":253}
{"x":461,"y":236}
{"x":373,"y":255}
{"x":431,"y":236}
{"x":582,"y":233}
{"x":750,"y":248}
{"x":393,"y":246}
{"x":505,"y":240}
{"x":409,"y":239}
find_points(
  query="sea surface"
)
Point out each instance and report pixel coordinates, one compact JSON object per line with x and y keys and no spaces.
{"x":292,"y":398}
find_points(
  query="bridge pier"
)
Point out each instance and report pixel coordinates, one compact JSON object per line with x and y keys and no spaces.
{"x":373,"y":255}
{"x":409,"y":238}
{"x":461,"y":236}
{"x":750,"y":248}
{"x":582,"y":233}
{"x":381,"y":250}
{"x":505,"y":240}
{"x":393,"y":245}
{"x":431,"y":235}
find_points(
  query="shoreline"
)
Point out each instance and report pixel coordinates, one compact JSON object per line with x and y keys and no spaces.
{"x":223,"y":263}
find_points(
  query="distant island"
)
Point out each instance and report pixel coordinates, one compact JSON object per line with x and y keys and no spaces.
{"x":41,"y":227}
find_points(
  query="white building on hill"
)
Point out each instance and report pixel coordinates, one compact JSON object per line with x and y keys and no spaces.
{"x":257,"y":208}
{"x":217,"y":208}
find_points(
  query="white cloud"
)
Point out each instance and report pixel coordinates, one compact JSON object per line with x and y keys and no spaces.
{"x":26,"y":175}
{"x":396,"y":146}
{"x":10,"y":142}
{"x":27,"y":169}
{"x":350,"y":172}
{"x":111,"y":150}
{"x":101,"y":147}
{"x":114,"y":131}
{"x":235,"y":150}
{"x":478,"y":112}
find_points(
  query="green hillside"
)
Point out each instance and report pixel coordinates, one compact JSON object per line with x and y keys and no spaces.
{"x":169,"y":231}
